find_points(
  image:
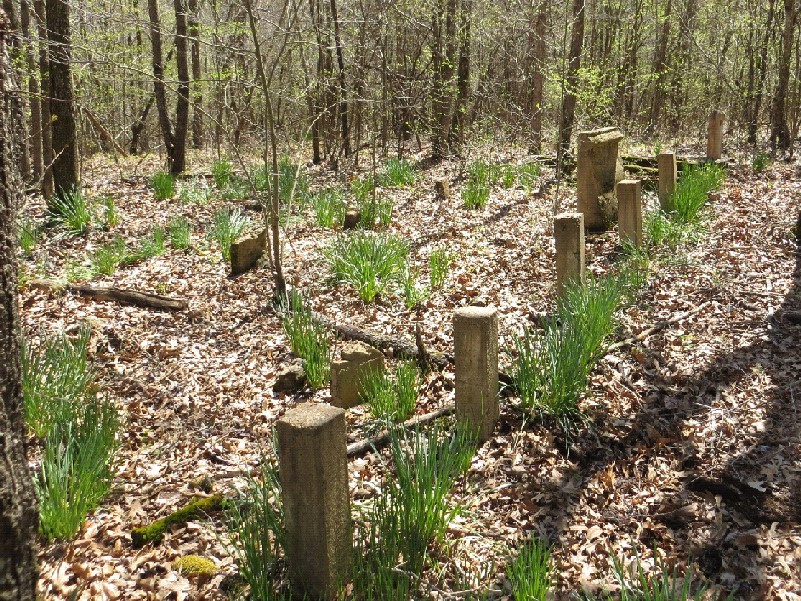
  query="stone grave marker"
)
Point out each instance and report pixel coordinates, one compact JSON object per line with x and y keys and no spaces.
{"x":599,"y":169}
{"x":666,"y":162}
{"x":568,"y":229}
{"x":714,"y":138}
{"x":629,"y":198}
{"x":357,"y":360}
{"x":245,"y":253}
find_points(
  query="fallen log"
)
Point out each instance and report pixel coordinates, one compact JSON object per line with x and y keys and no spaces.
{"x":660,"y":325}
{"x":362,"y":447}
{"x":124,"y":297}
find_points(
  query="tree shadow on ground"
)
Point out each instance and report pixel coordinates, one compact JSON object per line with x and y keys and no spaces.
{"x":753,"y":495}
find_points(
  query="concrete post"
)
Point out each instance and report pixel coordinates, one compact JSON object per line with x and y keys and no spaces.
{"x":598,"y":171}
{"x":629,"y":202}
{"x":714,"y":139}
{"x":314,"y":480}
{"x":475,"y":337}
{"x":667,"y":179}
{"x":568,"y":229}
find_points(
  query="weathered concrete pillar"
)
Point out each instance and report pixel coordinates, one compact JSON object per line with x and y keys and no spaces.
{"x":598,"y":171}
{"x":714,"y":136}
{"x":568,"y":229}
{"x":475,"y":337}
{"x":314,"y":481}
{"x":667,"y":179}
{"x":358,"y":360}
{"x":629,"y":211}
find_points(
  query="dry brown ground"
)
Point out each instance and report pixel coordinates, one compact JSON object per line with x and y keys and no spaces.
{"x":693,"y":449}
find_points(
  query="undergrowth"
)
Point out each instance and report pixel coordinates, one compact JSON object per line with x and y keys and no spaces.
{"x":308,"y":340}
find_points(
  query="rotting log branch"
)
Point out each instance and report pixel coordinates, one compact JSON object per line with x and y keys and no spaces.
{"x":118,"y":295}
{"x":362,"y":447}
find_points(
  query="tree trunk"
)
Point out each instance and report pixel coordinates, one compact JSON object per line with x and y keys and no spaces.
{"x":660,"y":66}
{"x":197,"y":83}
{"x":44,"y":73}
{"x":462,"y":77}
{"x":574,"y":63}
{"x":780,"y":131}
{"x":62,"y":107}
{"x":34,"y":104}
{"x":539,"y":49}
{"x":18,"y":513}
{"x":343,"y":90}
{"x":159,"y":87}
{"x":178,"y":158}
{"x":756,"y":87}
{"x":443,"y":89}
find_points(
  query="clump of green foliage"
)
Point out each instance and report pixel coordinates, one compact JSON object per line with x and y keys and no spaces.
{"x":195,"y":191}
{"x":110,"y":216}
{"x":308,"y":340}
{"x":109,"y":256}
{"x":180,"y":233}
{"x":368,"y":261}
{"x":480,"y":176}
{"x":552,"y":366}
{"x":531,"y":572}
{"x":411,"y":512}
{"x":392,"y":398}
{"x":255,"y":524}
{"x":227,"y":226}
{"x":163,"y":184}
{"x":398,"y":173}
{"x":439,"y":263}
{"x":414,"y":294}
{"x":78,"y":429}
{"x":692,"y":189}
{"x":329,"y":207}
{"x":376,"y":210}
{"x":28,"y":234}
{"x":71,"y":211}
{"x":221,"y":171}
{"x":362,"y":187}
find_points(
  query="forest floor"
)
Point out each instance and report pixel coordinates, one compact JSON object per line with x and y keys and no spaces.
{"x":693,"y":445}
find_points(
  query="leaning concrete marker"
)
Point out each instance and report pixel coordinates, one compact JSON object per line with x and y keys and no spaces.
{"x":568,"y":229}
{"x":314,"y":480}
{"x":347,"y":375}
{"x":475,"y":337}
{"x":667,"y":179}
{"x":714,"y":140}
{"x":629,"y":198}
{"x":598,"y":171}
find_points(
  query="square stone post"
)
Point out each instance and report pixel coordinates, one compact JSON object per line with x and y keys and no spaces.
{"x":598,"y":171}
{"x":568,"y":229}
{"x":668,"y":172}
{"x":629,"y":212}
{"x":312,"y":449}
{"x":475,"y":337}
{"x":714,"y":138}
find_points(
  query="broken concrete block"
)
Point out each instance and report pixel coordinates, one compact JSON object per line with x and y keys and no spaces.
{"x":357,"y":360}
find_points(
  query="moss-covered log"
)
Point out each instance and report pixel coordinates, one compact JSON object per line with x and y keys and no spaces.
{"x":197,"y":507}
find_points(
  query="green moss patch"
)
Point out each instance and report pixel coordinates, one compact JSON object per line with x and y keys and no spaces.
{"x":196,"y":508}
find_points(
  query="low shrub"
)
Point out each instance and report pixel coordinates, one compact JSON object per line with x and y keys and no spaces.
{"x":28,"y":234}
{"x":71,"y":211}
{"x":222,"y":170}
{"x":109,"y":256}
{"x":376,"y":210}
{"x":369,"y":262}
{"x":163,"y":184}
{"x":308,"y":340}
{"x":227,"y":226}
{"x":531,"y":572}
{"x":439,"y":263}
{"x":329,"y":207}
{"x":256,"y":539}
{"x":180,"y":233}
{"x":398,"y":173}
{"x":692,"y":189}
{"x":392,"y":398}
{"x":78,"y":429}
{"x":552,"y":366}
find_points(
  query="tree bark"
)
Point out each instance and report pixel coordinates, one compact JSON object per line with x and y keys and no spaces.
{"x":178,"y":158}
{"x":18,"y":513}
{"x":44,"y":102}
{"x":34,"y":104}
{"x":197,"y":83}
{"x":443,"y":89}
{"x":62,"y":106}
{"x":780,"y":131}
{"x":343,"y":90}
{"x":573,"y":66}
{"x":462,"y":77}
{"x":539,"y":50}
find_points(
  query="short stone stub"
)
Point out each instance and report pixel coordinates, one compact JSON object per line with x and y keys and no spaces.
{"x":568,"y":231}
{"x":312,"y":450}
{"x":475,"y":333}
{"x":246,"y":253}
{"x":352,"y":218}
{"x":714,"y":140}
{"x":668,"y":171}
{"x":629,"y":195}
{"x":357,"y":360}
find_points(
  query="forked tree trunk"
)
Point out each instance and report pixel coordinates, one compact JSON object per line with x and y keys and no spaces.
{"x":18,"y":513}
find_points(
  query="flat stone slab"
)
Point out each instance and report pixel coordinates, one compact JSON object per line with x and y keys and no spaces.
{"x":246,"y":253}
